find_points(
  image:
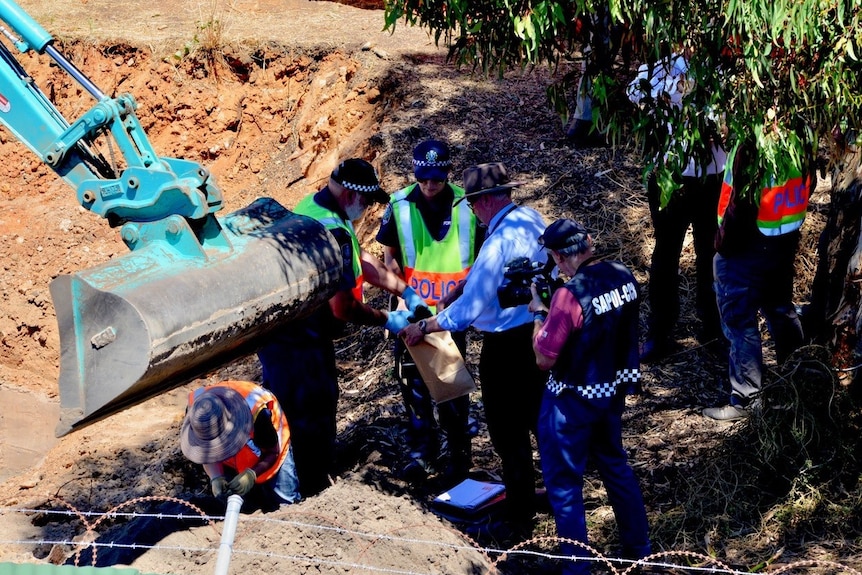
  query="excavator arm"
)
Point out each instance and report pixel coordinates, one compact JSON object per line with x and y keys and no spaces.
{"x":196,"y":290}
{"x":146,"y":188}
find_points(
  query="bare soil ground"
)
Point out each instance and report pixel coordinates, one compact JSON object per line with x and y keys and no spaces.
{"x":269,"y":94}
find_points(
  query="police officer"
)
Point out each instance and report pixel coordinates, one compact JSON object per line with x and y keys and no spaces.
{"x":299,"y":359}
{"x":432,"y":245}
{"x":756,"y":246}
{"x":511,"y":381}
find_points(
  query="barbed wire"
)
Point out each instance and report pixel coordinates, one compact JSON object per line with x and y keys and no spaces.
{"x":693,"y":561}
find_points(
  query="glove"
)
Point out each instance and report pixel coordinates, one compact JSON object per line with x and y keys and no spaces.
{"x":421,"y":312}
{"x":397,"y":321}
{"x":412,"y":299}
{"x":242,"y":483}
{"x":219,"y":486}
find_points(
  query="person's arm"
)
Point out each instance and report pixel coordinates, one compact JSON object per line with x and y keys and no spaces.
{"x":451,"y":296}
{"x":268,"y":458}
{"x":377,"y":274}
{"x":543,"y":362}
{"x":391,"y":257}
{"x":475,"y":296}
{"x":266,"y":439}
{"x":343,"y":305}
{"x":540,"y":314}
{"x":388,"y":237}
{"x":472,"y":300}
{"x":479,"y":290}
{"x":415,"y":332}
{"x":550,"y":334}
{"x":214,"y":470}
{"x":218,"y":482}
{"x":346,"y":308}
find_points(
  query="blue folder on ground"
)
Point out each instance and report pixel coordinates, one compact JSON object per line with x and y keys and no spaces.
{"x":471,"y":495}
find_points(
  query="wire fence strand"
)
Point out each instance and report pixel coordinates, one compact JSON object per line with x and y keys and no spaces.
{"x":673,"y":560}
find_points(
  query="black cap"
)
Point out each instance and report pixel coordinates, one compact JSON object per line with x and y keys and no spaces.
{"x":562,"y":234}
{"x":431,"y":161}
{"x":486,"y":179}
{"x":358,"y":175}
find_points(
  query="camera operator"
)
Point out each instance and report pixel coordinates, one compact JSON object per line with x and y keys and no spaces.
{"x":589,"y":341}
{"x":511,"y":381}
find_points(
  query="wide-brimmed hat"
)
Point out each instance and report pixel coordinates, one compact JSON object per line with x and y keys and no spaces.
{"x":216,"y":425}
{"x":486,"y":179}
{"x":431,"y":161}
{"x":563,"y":233}
{"x":358,"y":175}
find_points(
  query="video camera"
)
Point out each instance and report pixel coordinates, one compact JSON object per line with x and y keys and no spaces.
{"x":519,"y":274}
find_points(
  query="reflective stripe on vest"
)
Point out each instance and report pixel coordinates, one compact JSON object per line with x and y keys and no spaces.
{"x":257,"y":398}
{"x":781,"y":207}
{"x":433,"y":268}
{"x":332,"y":221}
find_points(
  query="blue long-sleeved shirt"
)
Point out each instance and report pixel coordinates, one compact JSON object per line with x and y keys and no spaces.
{"x":512,"y":233}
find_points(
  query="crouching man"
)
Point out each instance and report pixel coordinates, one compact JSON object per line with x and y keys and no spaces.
{"x":238,"y":432}
{"x":588,"y":339}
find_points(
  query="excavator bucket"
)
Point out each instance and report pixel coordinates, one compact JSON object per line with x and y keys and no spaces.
{"x":196,"y":290}
{"x":154,"y":318}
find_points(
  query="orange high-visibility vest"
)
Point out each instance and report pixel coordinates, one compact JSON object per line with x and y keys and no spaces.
{"x":782,"y":206}
{"x":434,"y":268}
{"x":257,"y":398}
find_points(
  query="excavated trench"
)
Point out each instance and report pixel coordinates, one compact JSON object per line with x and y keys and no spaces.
{"x":265,"y":123}
{"x":273,"y":124}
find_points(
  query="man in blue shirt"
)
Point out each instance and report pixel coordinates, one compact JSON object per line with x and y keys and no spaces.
{"x":511,"y":382}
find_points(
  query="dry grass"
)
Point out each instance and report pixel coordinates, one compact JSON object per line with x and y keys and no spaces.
{"x":755,"y":492}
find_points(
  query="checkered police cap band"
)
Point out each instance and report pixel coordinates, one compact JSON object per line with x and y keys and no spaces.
{"x":432,"y":154}
{"x":362,"y":189}
{"x":357,"y":175}
{"x":432,"y":160}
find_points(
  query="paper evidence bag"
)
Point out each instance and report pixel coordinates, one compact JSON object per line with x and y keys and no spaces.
{"x":441,"y":366}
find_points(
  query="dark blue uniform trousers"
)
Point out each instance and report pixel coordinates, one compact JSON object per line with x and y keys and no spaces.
{"x":572,"y":430}
{"x":303,"y":377}
{"x":511,"y":392}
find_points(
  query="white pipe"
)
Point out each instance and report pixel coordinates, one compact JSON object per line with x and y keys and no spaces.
{"x":231,"y":516}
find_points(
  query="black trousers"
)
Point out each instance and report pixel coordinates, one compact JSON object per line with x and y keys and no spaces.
{"x":302,"y":375}
{"x":423,"y":433}
{"x":512,"y":388}
{"x":695,"y":205}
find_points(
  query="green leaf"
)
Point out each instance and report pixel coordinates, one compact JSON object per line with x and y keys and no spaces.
{"x":756,"y":77}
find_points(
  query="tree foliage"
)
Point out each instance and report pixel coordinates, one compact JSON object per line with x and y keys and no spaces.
{"x":781,"y":76}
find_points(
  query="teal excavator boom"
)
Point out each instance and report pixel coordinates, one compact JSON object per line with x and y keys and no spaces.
{"x":195,"y":290}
